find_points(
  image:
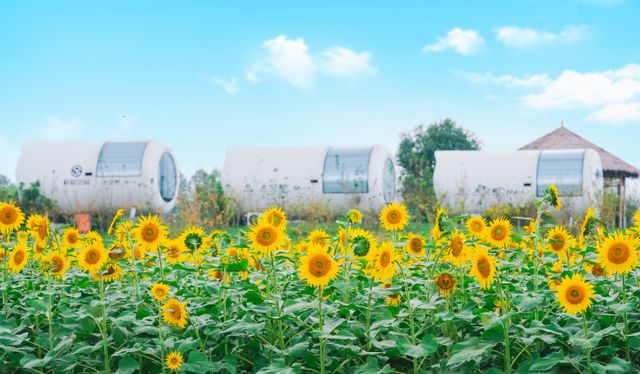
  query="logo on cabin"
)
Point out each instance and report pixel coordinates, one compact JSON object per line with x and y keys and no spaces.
{"x":76,"y":170}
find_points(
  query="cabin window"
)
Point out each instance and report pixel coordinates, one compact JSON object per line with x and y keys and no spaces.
{"x":168,"y":177}
{"x":346,"y":170}
{"x":388,"y":181}
{"x":120,"y":160}
{"x":563,"y":169}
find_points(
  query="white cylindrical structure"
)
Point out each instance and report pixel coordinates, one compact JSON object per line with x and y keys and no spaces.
{"x":473,"y":181}
{"x":294,"y":177}
{"x":84,"y":177}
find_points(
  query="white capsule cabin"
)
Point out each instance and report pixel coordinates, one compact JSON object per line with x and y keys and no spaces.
{"x":473,"y":181}
{"x":85,"y":177}
{"x":295,"y":177}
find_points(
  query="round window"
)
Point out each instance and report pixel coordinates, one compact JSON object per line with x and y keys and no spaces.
{"x":168,"y":178}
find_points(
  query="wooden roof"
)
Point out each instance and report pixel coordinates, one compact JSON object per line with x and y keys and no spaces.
{"x":562,"y":138}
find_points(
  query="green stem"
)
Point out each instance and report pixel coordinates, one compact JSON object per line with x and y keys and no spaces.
{"x":160,"y":263}
{"x":368,"y":324}
{"x":412,"y":328}
{"x":626,"y":319}
{"x":586,"y":336}
{"x":161,"y":338}
{"x":49,"y":316}
{"x":321,"y":324}
{"x":105,"y":336}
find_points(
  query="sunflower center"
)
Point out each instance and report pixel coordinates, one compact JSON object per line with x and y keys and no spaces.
{"x":597,"y":270}
{"x":476,"y":226}
{"x":393,"y":217}
{"x":267,"y":236}
{"x":558,"y":242}
{"x":498,"y":232}
{"x":42,"y":231}
{"x":319,"y":265}
{"x":176,"y":312}
{"x":456,"y":246}
{"x":116,"y":253}
{"x":8,"y":216}
{"x":58,"y":264}
{"x":173,"y":252}
{"x":92,"y":257}
{"x":385,"y":259}
{"x":484,"y":268}
{"x":110,"y":270}
{"x":445,"y":281}
{"x":575,"y":294}
{"x":72,"y":238}
{"x":18,"y":257}
{"x":416,"y":245}
{"x":275,"y":220}
{"x":160,"y":292}
{"x":150,"y":233}
{"x":618,"y":253}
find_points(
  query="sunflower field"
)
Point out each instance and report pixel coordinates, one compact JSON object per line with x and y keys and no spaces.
{"x":468,"y":296}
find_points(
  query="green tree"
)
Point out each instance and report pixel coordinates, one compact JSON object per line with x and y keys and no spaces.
{"x":416,"y":157}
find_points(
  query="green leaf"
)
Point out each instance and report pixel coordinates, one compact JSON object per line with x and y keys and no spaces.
{"x":279,"y":367}
{"x":372,"y":366}
{"x":127,"y":365}
{"x":426,"y":347}
{"x":616,"y":365}
{"x":546,"y":363}
{"x":471,"y":350}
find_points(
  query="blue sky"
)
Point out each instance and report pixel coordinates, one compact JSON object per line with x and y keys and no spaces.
{"x":204,"y":75}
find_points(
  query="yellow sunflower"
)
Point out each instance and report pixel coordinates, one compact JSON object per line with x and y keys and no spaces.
{"x":318,"y":237}
{"x":18,"y":258}
{"x":394,"y":216}
{"x":438,"y":224}
{"x":618,"y":253}
{"x":392,"y":299}
{"x":355,"y":216}
{"x":415,"y":245}
{"x":499,"y":233}
{"x":175,"y":313}
{"x":446,"y":284}
{"x":574,"y":294}
{"x":552,"y":197}
{"x":22,"y":236}
{"x":38,"y":250}
{"x":362,"y":243}
{"x":587,"y":224}
{"x":483,"y":267}
{"x":559,"y":241}
{"x":159,"y":291}
{"x":55,"y":263}
{"x":193,"y":239}
{"x":120,"y":250}
{"x":175,"y":251}
{"x":459,"y":253}
{"x":384,"y":266}
{"x":111,"y":273}
{"x":92,"y":257}
{"x":476,"y":226}
{"x":114,"y":221}
{"x":266,"y":237}
{"x":317,"y":267}
{"x":174,"y":360}
{"x":38,"y":226}
{"x":275,"y":217}
{"x":71,"y":238}
{"x":11,"y":217}
{"x":149,"y":232}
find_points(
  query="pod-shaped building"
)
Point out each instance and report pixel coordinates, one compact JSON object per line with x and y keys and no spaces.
{"x":84,"y":177}
{"x":295,"y":177}
{"x":473,"y":181}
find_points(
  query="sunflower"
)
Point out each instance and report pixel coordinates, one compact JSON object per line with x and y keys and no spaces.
{"x":438,"y":224}
{"x":18,"y":258}
{"x":530,"y":229}
{"x":446,"y":284}
{"x":587,"y":224}
{"x":71,"y":238}
{"x":11,"y":217}
{"x":597,"y":270}
{"x":265,"y":237}
{"x":93,"y":237}
{"x":618,"y":253}
{"x":55,"y":263}
{"x":393,"y":299}
{"x":22,"y":236}
{"x":355,"y":216}
{"x":499,"y":233}
{"x":415,"y":245}
{"x":317,"y":267}
{"x":557,"y":266}
{"x":275,"y":217}
{"x":362,"y":243}
{"x":149,"y":232}
{"x":39,"y":227}
{"x":458,"y":251}
{"x":559,"y":241}
{"x":193,"y":238}
{"x":174,"y":313}
{"x":175,"y":251}
{"x":318,"y":237}
{"x":394,"y":216}
{"x":483,"y":267}
{"x":476,"y":227}
{"x":112,"y":273}
{"x":159,"y":291}
{"x":551,"y":196}
{"x":384,"y":262}
{"x":38,"y":250}
{"x":119,"y":250}
{"x":92,"y":257}
{"x":574,"y":294}
{"x":114,"y":221}
{"x":174,"y":360}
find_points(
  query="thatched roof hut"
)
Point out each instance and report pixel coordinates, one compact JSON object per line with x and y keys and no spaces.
{"x":615,"y":170}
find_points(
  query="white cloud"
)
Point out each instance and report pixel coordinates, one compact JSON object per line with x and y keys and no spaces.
{"x":56,"y":128}
{"x":343,"y":62}
{"x":465,"y":42}
{"x":618,"y":113}
{"x":291,"y":60}
{"x":229,"y":85}
{"x":535,"y":80}
{"x":526,"y":38}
